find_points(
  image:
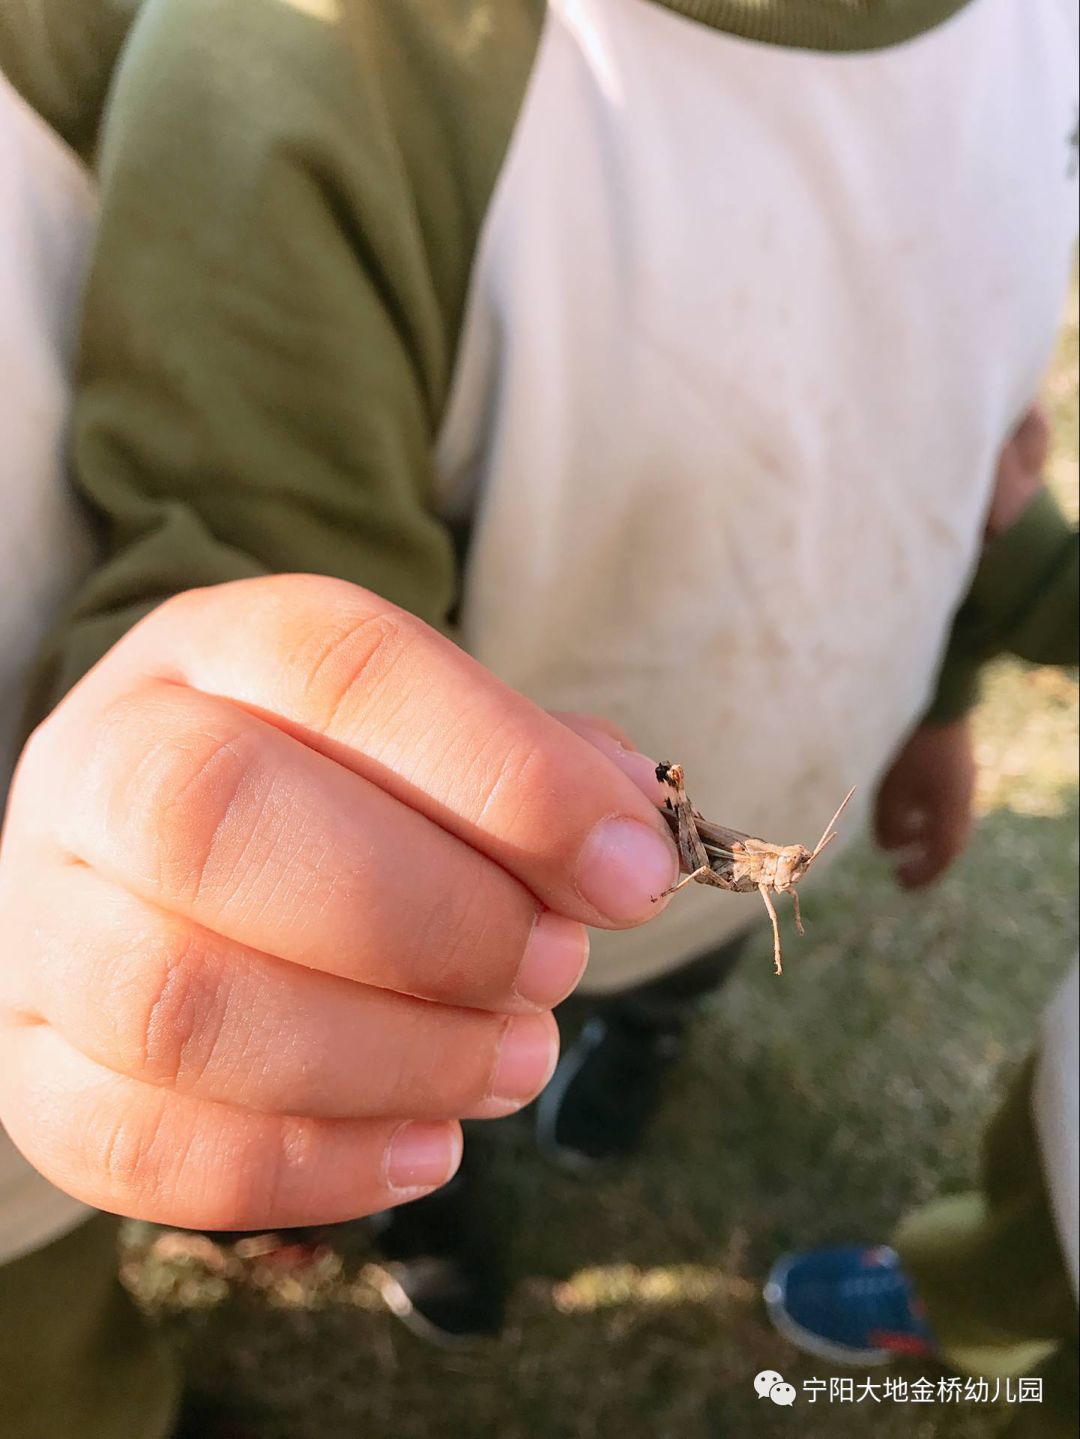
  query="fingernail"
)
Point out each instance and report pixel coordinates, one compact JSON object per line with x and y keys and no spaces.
{"x":554,"y":958}
{"x":623,"y":866}
{"x":422,"y":1156}
{"x":527,"y":1056}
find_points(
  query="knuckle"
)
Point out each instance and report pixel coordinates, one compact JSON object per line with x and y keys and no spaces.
{"x":143,"y":1157}
{"x":174,"y":784}
{"x":198,"y":793}
{"x":512,"y":786}
{"x":344,"y":665}
{"x":126,"y":1153}
{"x":177,"y":1024}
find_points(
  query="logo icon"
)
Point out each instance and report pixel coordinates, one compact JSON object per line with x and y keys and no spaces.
{"x":770,"y":1384}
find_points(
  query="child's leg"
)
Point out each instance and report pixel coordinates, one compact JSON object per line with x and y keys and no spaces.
{"x":76,"y":1358}
{"x":989,"y":1267}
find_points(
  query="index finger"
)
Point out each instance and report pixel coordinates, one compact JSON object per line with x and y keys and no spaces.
{"x":389,"y":698}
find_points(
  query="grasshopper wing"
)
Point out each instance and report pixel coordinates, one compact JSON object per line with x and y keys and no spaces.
{"x":720,"y":838}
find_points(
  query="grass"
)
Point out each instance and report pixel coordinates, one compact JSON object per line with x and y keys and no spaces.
{"x":811,"y":1111}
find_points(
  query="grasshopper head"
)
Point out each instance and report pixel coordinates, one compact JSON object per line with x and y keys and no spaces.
{"x":792,"y":862}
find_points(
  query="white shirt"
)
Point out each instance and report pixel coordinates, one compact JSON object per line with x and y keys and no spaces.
{"x":46,"y":202}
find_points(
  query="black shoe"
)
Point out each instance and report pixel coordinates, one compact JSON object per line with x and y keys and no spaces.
{"x":603,"y":1094}
{"x":443,"y":1275}
{"x":200,"y":1418}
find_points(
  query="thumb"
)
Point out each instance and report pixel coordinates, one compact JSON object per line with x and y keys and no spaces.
{"x":617,"y":746}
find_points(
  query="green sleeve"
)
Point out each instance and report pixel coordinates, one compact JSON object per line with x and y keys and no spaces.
{"x":290,"y":201}
{"x":1024,"y":601}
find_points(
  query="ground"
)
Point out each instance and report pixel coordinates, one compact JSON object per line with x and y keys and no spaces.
{"x":815,"y":1108}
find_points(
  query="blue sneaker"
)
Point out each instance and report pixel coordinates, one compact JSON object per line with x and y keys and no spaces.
{"x":849,"y":1305}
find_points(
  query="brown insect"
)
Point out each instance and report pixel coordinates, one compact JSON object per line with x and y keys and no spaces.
{"x":728,"y":859}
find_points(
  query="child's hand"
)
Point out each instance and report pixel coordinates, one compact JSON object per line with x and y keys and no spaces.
{"x":924,"y":804}
{"x":289,"y":885}
{"x":1019,"y":473}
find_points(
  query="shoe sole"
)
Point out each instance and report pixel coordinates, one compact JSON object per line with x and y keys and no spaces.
{"x":402,"y":1307}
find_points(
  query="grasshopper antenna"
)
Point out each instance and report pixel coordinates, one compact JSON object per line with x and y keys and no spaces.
{"x":829,"y":833}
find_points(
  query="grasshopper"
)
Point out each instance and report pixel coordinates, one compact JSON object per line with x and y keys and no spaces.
{"x":728,"y":859}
